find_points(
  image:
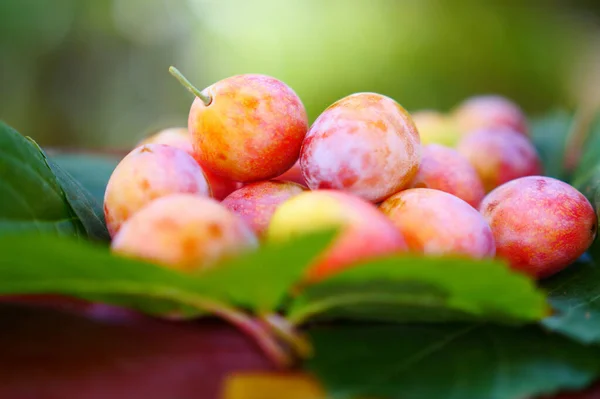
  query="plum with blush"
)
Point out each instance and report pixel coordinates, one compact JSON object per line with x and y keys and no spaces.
{"x":180,"y":138}
{"x":500,"y":155}
{"x":436,"y":223}
{"x":184,"y":232}
{"x":365,"y":144}
{"x":246,"y":127}
{"x":541,"y":224}
{"x":364,"y":232}
{"x":489,"y":111}
{"x":149,"y":172}
{"x":256,"y":202}
{"x":443,"y":168}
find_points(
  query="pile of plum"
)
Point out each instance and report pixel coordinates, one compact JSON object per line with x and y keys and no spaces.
{"x":249,"y":170}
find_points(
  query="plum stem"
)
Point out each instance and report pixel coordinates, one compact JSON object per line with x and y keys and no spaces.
{"x":206,"y":99}
{"x":288,"y":333}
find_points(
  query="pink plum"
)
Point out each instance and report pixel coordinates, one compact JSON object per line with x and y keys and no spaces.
{"x":247,"y":127}
{"x":256,"y":202}
{"x":434,"y":222}
{"x":490,"y":111}
{"x":184,"y":232}
{"x":443,"y":168}
{"x":180,"y":138}
{"x":500,"y":155}
{"x":146,"y":173}
{"x":177,"y":137}
{"x":294,"y":174}
{"x":364,"y":231}
{"x":541,"y":225}
{"x":365,"y":144}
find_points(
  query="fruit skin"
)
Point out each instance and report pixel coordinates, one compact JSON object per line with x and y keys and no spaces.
{"x":443,"y":168}
{"x":179,"y":137}
{"x":436,"y":128}
{"x":294,"y":174}
{"x":252,"y":130}
{"x":364,"y":232}
{"x":365,"y":144}
{"x":434,"y":222}
{"x":500,"y":155}
{"x":256,"y":202}
{"x":146,"y":173}
{"x":489,"y":111}
{"x":541,"y":224}
{"x":184,"y":232}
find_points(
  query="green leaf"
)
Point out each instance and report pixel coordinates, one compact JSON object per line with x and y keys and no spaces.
{"x":89,"y":211}
{"x":590,"y":157}
{"x":31,"y":199}
{"x":262,"y":280}
{"x":417,"y":288}
{"x":549,"y":134}
{"x":575,"y":296}
{"x":575,"y":292}
{"x":455,"y":361}
{"x":42,"y":264}
{"x":587,"y":178}
{"x":92,"y":171}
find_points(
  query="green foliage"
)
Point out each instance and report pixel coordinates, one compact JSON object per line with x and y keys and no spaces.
{"x":575,"y":292}
{"x":261,"y":280}
{"x":457,"y":361}
{"x":92,"y":171}
{"x":590,"y":158}
{"x":575,"y":296}
{"x":31,"y":198}
{"x":87,"y":208}
{"x":549,"y":134}
{"x":43,"y":264}
{"x":418,"y":288}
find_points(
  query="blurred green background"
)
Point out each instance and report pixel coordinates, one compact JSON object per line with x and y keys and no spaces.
{"x":94,"y":73}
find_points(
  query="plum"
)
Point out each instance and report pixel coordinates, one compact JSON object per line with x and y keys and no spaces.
{"x":489,"y":111}
{"x":184,"y":232}
{"x":434,"y":222}
{"x":436,"y":127}
{"x":246,"y":127}
{"x":541,"y":224}
{"x":294,"y":174}
{"x":443,"y":168}
{"x":146,"y":173}
{"x":365,"y":144}
{"x":364,"y":231}
{"x":500,"y":155}
{"x":179,"y":137}
{"x":256,"y":202}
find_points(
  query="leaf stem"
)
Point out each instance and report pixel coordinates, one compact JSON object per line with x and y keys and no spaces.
{"x":250,"y":326}
{"x":288,"y":333}
{"x":254,"y":328}
{"x":206,"y":99}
